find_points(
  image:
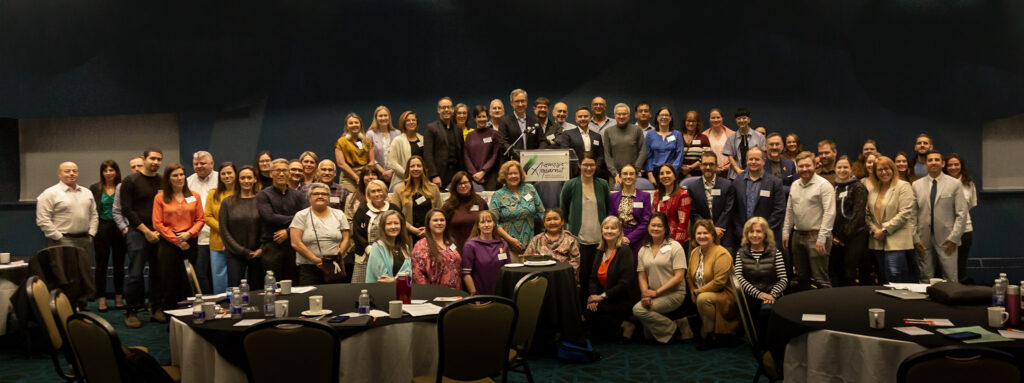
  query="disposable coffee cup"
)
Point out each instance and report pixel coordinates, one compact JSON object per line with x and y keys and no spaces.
{"x":876,"y":318}
{"x":5,"y":258}
{"x":210,"y":309}
{"x":395,"y":309}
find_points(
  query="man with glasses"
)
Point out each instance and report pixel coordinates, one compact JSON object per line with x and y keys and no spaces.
{"x":443,"y":143}
{"x":711,"y":196}
{"x":277,"y":206}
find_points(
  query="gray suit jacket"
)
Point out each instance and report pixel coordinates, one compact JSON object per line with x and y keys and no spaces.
{"x":950,"y":210}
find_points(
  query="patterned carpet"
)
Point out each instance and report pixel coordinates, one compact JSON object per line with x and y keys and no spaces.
{"x":633,"y":362}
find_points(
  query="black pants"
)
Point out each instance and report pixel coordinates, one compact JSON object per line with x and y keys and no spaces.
{"x":174,"y":281}
{"x":310,"y":275}
{"x":586,"y":267}
{"x":961,"y":255}
{"x":109,"y":242}
{"x":605,"y":323}
{"x":845,"y":259}
{"x":279,"y":258}
{"x":240,"y":266}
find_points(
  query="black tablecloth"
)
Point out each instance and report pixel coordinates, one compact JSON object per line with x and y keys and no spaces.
{"x":846,"y":310}
{"x":561,"y":310}
{"x":340,"y":298}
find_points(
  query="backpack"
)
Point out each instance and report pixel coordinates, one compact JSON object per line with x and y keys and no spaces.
{"x":572,"y":353}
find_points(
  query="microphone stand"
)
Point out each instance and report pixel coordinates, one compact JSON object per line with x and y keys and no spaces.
{"x":529,"y":129}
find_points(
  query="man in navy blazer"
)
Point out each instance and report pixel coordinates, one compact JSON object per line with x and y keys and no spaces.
{"x":574,"y":139}
{"x":779,"y":166}
{"x":514,"y":124}
{"x":769,"y":202}
{"x":721,"y":194}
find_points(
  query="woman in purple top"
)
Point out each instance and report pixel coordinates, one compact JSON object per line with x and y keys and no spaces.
{"x":482,"y":152}
{"x":462,"y":208}
{"x":633,"y":207}
{"x":483,"y":256}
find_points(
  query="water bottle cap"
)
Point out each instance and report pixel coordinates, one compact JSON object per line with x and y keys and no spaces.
{"x":363,"y":291}
{"x":199,"y":296}
{"x":270,"y":272}
{"x":245,"y":281}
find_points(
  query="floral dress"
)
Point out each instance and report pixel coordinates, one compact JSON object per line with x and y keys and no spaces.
{"x":565,"y":249}
{"x":516,"y":214}
{"x":426,"y":271}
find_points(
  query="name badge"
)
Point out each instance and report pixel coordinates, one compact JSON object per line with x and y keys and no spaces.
{"x":335,"y":199}
{"x":597,"y":142}
{"x":666,"y":248}
{"x":451,"y":247}
{"x":664,"y":198}
{"x":638,"y":205}
{"x":419,"y":143}
{"x":842,"y":195}
{"x":528,"y":197}
{"x":551,"y":137}
{"x":502,"y":256}
{"x":670,"y":139}
{"x":695,"y":142}
{"x":359,"y":144}
{"x":716,"y":191}
{"x":474,"y":208}
{"x":487,"y":140}
{"x":190,"y":199}
{"x":766,"y":193}
{"x":421,"y":200}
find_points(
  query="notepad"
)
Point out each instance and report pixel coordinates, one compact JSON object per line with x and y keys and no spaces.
{"x":179,"y":312}
{"x":247,"y":322}
{"x":301,"y":289}
{"x":422,"y":310}
{"x":1012,"y":334}
{"x":813,"y":318}
{"x":911,"y":330}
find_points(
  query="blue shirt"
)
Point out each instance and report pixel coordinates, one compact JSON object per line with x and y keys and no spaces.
{"x":663,"y":150}
{"x":732,"y":147}
{"x":753,"y":192}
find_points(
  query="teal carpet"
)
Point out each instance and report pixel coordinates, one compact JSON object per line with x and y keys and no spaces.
{"x":632,"y":362}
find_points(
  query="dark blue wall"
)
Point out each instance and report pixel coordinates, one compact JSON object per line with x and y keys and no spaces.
{"x":280,"y":76}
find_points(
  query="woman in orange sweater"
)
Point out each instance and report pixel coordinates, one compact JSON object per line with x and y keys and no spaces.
{"x":178,"y":217}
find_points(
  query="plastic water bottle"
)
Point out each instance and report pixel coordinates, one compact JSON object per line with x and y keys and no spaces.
{"x":269,"y":281}
{"x":268,"y":299}
{"x":243,"y":288}
{"x":364,"y":302}
{"x":998,"y":293}
{"x":236,"y":303}
{"x":198,"y":315}
{"x":1004,"y":279}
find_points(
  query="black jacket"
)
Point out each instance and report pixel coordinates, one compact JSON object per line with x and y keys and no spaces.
{"x":621,"y":282}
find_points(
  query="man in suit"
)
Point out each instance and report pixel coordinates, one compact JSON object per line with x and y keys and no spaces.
{"x":546,"y":134}
{"x":756,"y":193}
{"x":513,"y":126}
{"x":777,"y":165}
{"x":442,"y":145}
{"x":711,"y":197}
{"x":583,"y":140}
{"x":940,"y":220}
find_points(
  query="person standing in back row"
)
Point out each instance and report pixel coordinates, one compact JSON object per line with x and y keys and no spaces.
{"x":137,"y":192}
{"x":66,"y":213}
{"x":810,"y":215}
{"x":277,"y":206}
{"x":940,"y":221}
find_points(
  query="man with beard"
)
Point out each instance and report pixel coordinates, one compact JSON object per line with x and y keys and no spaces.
{"x":826,"y":161}
{"x":561,"y":113}
{"x":779,"y":166}
{"x":755,"y":193}
{"x":810,"y":215}
{"x":443,"y":145}
{"x":941,"y":217}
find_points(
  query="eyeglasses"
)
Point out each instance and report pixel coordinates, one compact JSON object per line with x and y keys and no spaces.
{"x":319,"y":194}
{"x":279,"y":171}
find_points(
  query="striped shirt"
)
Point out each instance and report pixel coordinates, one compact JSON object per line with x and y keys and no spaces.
{"x":780,"y":274}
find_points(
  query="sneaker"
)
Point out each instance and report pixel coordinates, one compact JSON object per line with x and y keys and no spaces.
{"x":157,"y":316}
{"x":132,"y":321}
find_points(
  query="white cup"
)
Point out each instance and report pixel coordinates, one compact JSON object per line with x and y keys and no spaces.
{"x":316,"y":303}
{"x":285,"y":286}
{"x":395,"y":309}
{"x":876,"y":318}
{"x":997,"y":316}
{"x":210,"y":309}
{"x":5,"y":258}
{"x":280,"y":309}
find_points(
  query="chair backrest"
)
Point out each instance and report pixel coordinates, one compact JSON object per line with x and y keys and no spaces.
{"x":61,"y":310}
{"x":959,"y":364}
{"x":39,"y":298}
{"x":745,"y":317}
{"x":271,"y":344}
{"x":60,"y":266}
{"x":97,"y":347}
{"x":474,"y":335}
{"x":529,"y":297}
{"x":194,"y":281}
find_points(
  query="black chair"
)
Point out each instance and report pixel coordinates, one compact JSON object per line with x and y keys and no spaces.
{"x":41,"y":304}
{"x":959,"y":364}
{"x":529,"y":298}
{"x":270,"y":345}
{"x":102,"y":358}
{"x":474,"y":336}
{"x":765,"y":362}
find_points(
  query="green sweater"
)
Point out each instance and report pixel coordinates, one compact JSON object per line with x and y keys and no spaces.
{"x":571,"y":201}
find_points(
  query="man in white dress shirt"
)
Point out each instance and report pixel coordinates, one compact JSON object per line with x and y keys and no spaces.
{"x":202,"y":181}
{"x":810,"y":214}
{"x":66,"y":213}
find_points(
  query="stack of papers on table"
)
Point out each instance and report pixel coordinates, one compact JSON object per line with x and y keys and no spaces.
{"x":211,"y":297}
{"x":179,"y":312}
{"x":915,"y":287}
{"x":14,"y":265}
{"x":422,"y":309}
{"x":301,"y":289}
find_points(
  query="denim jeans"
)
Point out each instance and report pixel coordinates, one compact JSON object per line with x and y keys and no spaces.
{"x":893,"y":266}
{"x":140,"y":253}
{"x":219,"y":271}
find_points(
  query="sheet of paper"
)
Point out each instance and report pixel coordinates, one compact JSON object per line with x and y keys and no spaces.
{"x":378,"y":313}
{"x":247,"y":322}
{"x":179,"y":312}
{"x":813,"y":318}
{"x":986,"y":336}
{"x":911,"y":330}
{"x":446,"y":299}
{"x":14,"y":265}
{"x":301,"y":289}
{"x":1012,"y":334}
{"x":940,"y":322}
{"x":422,"y":310}
{"x":417,"y":301}
{"x":915,"y":287}
{"x":211,"y":297}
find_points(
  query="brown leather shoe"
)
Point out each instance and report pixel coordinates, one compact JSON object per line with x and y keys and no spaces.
{"x":157,"y":316}
{"x":132,"y":321}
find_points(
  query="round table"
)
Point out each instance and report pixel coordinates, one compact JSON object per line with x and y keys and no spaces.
{"x":846,"y":310}
{"x":420,"y":333}
{"x":561,"y":311}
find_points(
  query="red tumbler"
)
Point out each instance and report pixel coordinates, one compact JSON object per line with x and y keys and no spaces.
{"x":1013,"y":305}
{"x":403,"y":288}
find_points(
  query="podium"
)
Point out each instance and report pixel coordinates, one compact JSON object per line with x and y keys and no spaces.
{"x":547,"y":164}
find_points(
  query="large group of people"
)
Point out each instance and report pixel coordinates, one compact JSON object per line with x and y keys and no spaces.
{"x":653,"y":218}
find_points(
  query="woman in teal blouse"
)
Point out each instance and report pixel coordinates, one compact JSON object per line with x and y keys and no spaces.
{"x":108,"y":241}
{"x":516,"y":205}
{"x":390,"y":254}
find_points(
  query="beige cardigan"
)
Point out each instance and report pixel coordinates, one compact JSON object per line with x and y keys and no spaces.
{"x":896,"y":217}
{"x":398,"y":155}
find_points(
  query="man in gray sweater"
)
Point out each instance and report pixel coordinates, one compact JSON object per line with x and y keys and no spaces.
{"x":624,"y":144}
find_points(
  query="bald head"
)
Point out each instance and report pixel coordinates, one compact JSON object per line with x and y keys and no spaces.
{"x":68,"y":173}
{"x":326,"y":171}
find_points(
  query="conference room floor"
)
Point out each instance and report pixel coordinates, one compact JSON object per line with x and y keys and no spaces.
{"x":633,"y":362}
